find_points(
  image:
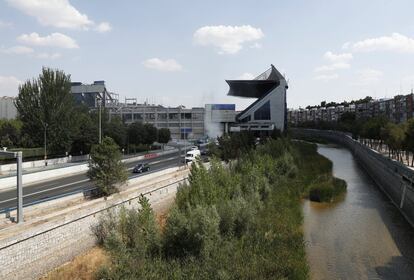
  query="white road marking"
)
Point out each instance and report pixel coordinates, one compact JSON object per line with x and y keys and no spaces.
{"x":73,"y":183}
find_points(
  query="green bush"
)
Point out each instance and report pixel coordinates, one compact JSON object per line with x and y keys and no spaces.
{"x":243,"y":221}
{"x":327,"y":189}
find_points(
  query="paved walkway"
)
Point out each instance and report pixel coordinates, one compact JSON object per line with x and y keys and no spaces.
{"x":383,"y":150}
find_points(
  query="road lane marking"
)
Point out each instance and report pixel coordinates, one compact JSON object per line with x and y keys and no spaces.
{"x":81,"y":181}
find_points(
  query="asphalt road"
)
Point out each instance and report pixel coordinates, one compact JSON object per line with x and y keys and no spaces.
{"x":77,"y":183}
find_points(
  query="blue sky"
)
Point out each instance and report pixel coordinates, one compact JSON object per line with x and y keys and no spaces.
{"x":180,"y":52}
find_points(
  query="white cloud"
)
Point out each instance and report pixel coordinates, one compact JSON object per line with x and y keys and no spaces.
{"x":9,"y":85}
{"x":228,"y":39}
{"x":256,"y":46}
{"x":57,"y":13}
{"x":394,"y":43}
{"x":168,"y":65}
{"x":53,"y":40}
{"x":103,"y":27}
{"x":332,"y":67}
{"x":337,"y":58}
{"x":46,"y":55}
{"x":18,"y":50}
{"x":246,"y":76}
{"x":337,"y":62}
{"x":368,"y":76}
{"x":327,"y":77}
{"x":4,"y":24}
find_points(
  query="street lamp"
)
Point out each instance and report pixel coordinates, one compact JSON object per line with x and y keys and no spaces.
{"x":18,"y":156}
{"x":45,"y":125}
{"x":98,"y":99}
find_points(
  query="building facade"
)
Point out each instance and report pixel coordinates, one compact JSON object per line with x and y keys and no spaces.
{"x":268,"y":112}
{"x":398,"y":110}
{"x":218,"y":119}
{"x":183,"y":123}
{"x":8,"y":110}
{"x":93,"y":95}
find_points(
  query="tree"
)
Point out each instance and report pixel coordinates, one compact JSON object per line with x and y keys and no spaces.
{"x":150,"y":135}
{"x":409,"y":138}
{"x":105,"y":166}
{"x":164,"y":135}
{"x":136,"y":134}
{"x":116,"y":130}
{"x":10,"y":133}
{"x":86,"y":133}
{"x":46,"y":103}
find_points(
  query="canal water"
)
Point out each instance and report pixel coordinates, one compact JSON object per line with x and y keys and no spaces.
{"x":363,"y":236}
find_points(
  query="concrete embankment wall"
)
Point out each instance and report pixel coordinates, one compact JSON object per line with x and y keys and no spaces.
{"x":35,"y":248}
{"x":6,"y":168}
{"x":394,"y":178}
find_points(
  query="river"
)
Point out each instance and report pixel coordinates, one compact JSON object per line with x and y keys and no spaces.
{"x":363,"y":236}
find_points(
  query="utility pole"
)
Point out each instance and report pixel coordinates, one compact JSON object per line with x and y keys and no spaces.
{"x":45,"y":141}
{"x":100,"y":122}
{"x":19,"y":156}
{"x":98,"y":99}
{"x":19,"y":191}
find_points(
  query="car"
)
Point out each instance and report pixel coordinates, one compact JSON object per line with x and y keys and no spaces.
{"x":191,"y":156}
{"x":193,"y":148}
{"x":141,"y":167}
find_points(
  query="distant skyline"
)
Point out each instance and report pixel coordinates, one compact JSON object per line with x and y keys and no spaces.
{"x":181,"y":52}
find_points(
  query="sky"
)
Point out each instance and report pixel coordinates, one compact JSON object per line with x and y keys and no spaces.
{"x":181,"y":52}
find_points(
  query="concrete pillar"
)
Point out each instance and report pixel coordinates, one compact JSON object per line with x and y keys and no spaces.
{"x":19,"y":188}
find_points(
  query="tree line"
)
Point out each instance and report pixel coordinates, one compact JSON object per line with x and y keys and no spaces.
{"x":377,"y":132}
{"x":45,"y":105}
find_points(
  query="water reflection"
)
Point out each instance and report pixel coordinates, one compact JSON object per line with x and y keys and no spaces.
{"x":362,"y":236}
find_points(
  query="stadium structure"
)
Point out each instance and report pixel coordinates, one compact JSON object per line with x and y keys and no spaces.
{"x":268,"y":112}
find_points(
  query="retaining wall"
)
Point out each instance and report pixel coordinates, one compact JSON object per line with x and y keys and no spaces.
{"x":394,"y":178}
{"x":7,"y":168}
{"x":37,"y":250}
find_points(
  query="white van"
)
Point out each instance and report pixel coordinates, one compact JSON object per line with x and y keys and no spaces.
{"x":191,"y":156}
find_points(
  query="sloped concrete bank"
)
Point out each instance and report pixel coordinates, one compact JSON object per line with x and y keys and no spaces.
{"x":394,"y":178}
{"x":29,"y":250}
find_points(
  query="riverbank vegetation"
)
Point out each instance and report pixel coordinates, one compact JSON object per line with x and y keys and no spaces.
{"x":397,"y":140}
{"x":241,"y":221}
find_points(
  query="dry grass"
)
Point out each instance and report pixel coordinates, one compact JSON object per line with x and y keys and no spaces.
{"x":81,"y":267}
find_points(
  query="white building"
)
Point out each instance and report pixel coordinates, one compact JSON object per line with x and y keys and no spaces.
{"x":7,"y":108}
{"x":268,"y":112}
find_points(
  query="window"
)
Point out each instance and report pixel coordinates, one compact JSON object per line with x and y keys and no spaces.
{"x":173,"y":116}
{"x":263,"y":113}
{"x":186,"y":116}
{"x":162,"y":116}
{"x":137,"y":116}
{"x":150,"y":116}
{"x":198,"y":116}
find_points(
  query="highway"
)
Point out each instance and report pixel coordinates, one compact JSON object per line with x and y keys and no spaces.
{"x":77,"y":183}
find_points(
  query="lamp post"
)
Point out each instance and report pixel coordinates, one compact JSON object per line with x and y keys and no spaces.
{"x":98,"y":99}
{"x":45,"y":125}
{"x":18,"y":156}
